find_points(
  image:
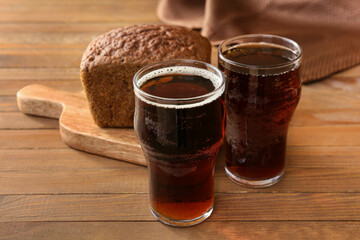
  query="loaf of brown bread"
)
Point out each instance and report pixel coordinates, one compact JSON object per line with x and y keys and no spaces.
{"x":112,"y":59}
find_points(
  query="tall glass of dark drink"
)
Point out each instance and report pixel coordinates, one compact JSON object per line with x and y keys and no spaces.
{"x":179,"y":121}
{"x":263,"y":88}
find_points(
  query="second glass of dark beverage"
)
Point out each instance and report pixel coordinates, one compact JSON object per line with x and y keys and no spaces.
{"x":179,"y":121}
{"x":263,"y":88}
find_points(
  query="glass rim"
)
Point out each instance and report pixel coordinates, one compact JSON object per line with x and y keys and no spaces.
{"x":178,"y":63}
{"x":265,"y":36}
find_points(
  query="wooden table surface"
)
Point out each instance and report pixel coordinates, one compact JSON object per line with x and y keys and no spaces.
{"x":50,"y":191}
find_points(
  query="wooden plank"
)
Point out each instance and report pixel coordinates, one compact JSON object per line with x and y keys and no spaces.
{"x":76,"y":36}
{"x":347,"y":86}
{"x":323,"y":157}
{"x":228,"y":207}
{"x":287,"y":206}
{"x":52,"y":160}
{"x":86,"y":207}
{"x":32,"y":74}
{"x":65,"y":40}
{"x":18,"y":120}
{"x":305,"y":180}
{"x":325,"y":117}
{"x":8,"y":104}
{"x":338,"y":135}
{"x":317,"y":97}
{"x":21,"y":180}
{"x":10,"y":88}
{"x":30,"y":153}
{"x":59,"y":27}
{"x":41,"y":59}
{"x":45,"y":171}
{"x":154,"y":230}
{"x":78,"y":11}
{"x":41,"y":49}
{"x":55,"y":181}
{"x":67,"y":171}
{"x":42,"y":55}
{"x":24,"y":139}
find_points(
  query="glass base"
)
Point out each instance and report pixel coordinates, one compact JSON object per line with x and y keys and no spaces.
{"x":254,"y":183}
{"x":181,"y":223}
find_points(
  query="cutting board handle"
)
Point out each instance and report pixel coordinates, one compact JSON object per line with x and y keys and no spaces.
{"x":43,"y":101}
{"x":77,"y":127}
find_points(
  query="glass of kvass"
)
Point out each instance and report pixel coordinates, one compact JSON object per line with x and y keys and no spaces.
{"x":179,"y":121}
{"x":263,"y":88}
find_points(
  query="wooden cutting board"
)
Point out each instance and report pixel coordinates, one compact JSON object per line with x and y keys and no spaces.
{"x":77,"y":127}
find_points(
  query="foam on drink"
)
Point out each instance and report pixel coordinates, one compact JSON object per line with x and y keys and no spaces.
{"x":192,"y":102}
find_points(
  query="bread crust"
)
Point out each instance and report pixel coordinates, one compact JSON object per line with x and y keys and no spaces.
{"x":111,"y":60}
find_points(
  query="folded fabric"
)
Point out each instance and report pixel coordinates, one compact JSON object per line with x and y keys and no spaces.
{"x":327,"y":30}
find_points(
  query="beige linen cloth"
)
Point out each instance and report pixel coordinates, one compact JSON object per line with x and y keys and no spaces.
{"x":327,"y":30}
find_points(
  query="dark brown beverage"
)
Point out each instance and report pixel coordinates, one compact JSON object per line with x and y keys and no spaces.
{"x":260,"y":98}
{"x":180,"y":143}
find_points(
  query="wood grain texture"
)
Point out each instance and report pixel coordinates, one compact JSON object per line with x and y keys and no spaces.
{"x":53,"y":160}
{"x":45,"y":139}
{"x":65,"y":171}
{"x":77,"y":127}
{"x":17,"y":120}
{"x":78,"y":11}
{"x":8,"y":104}
{"x":228,"y":207}
{"x":39,"y":74}
{"x":251,"y":230}
{"x":10,"y":88}
{"x":38,"y":29}
{"x":299,"y":157}
{"x":51,"y":191}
